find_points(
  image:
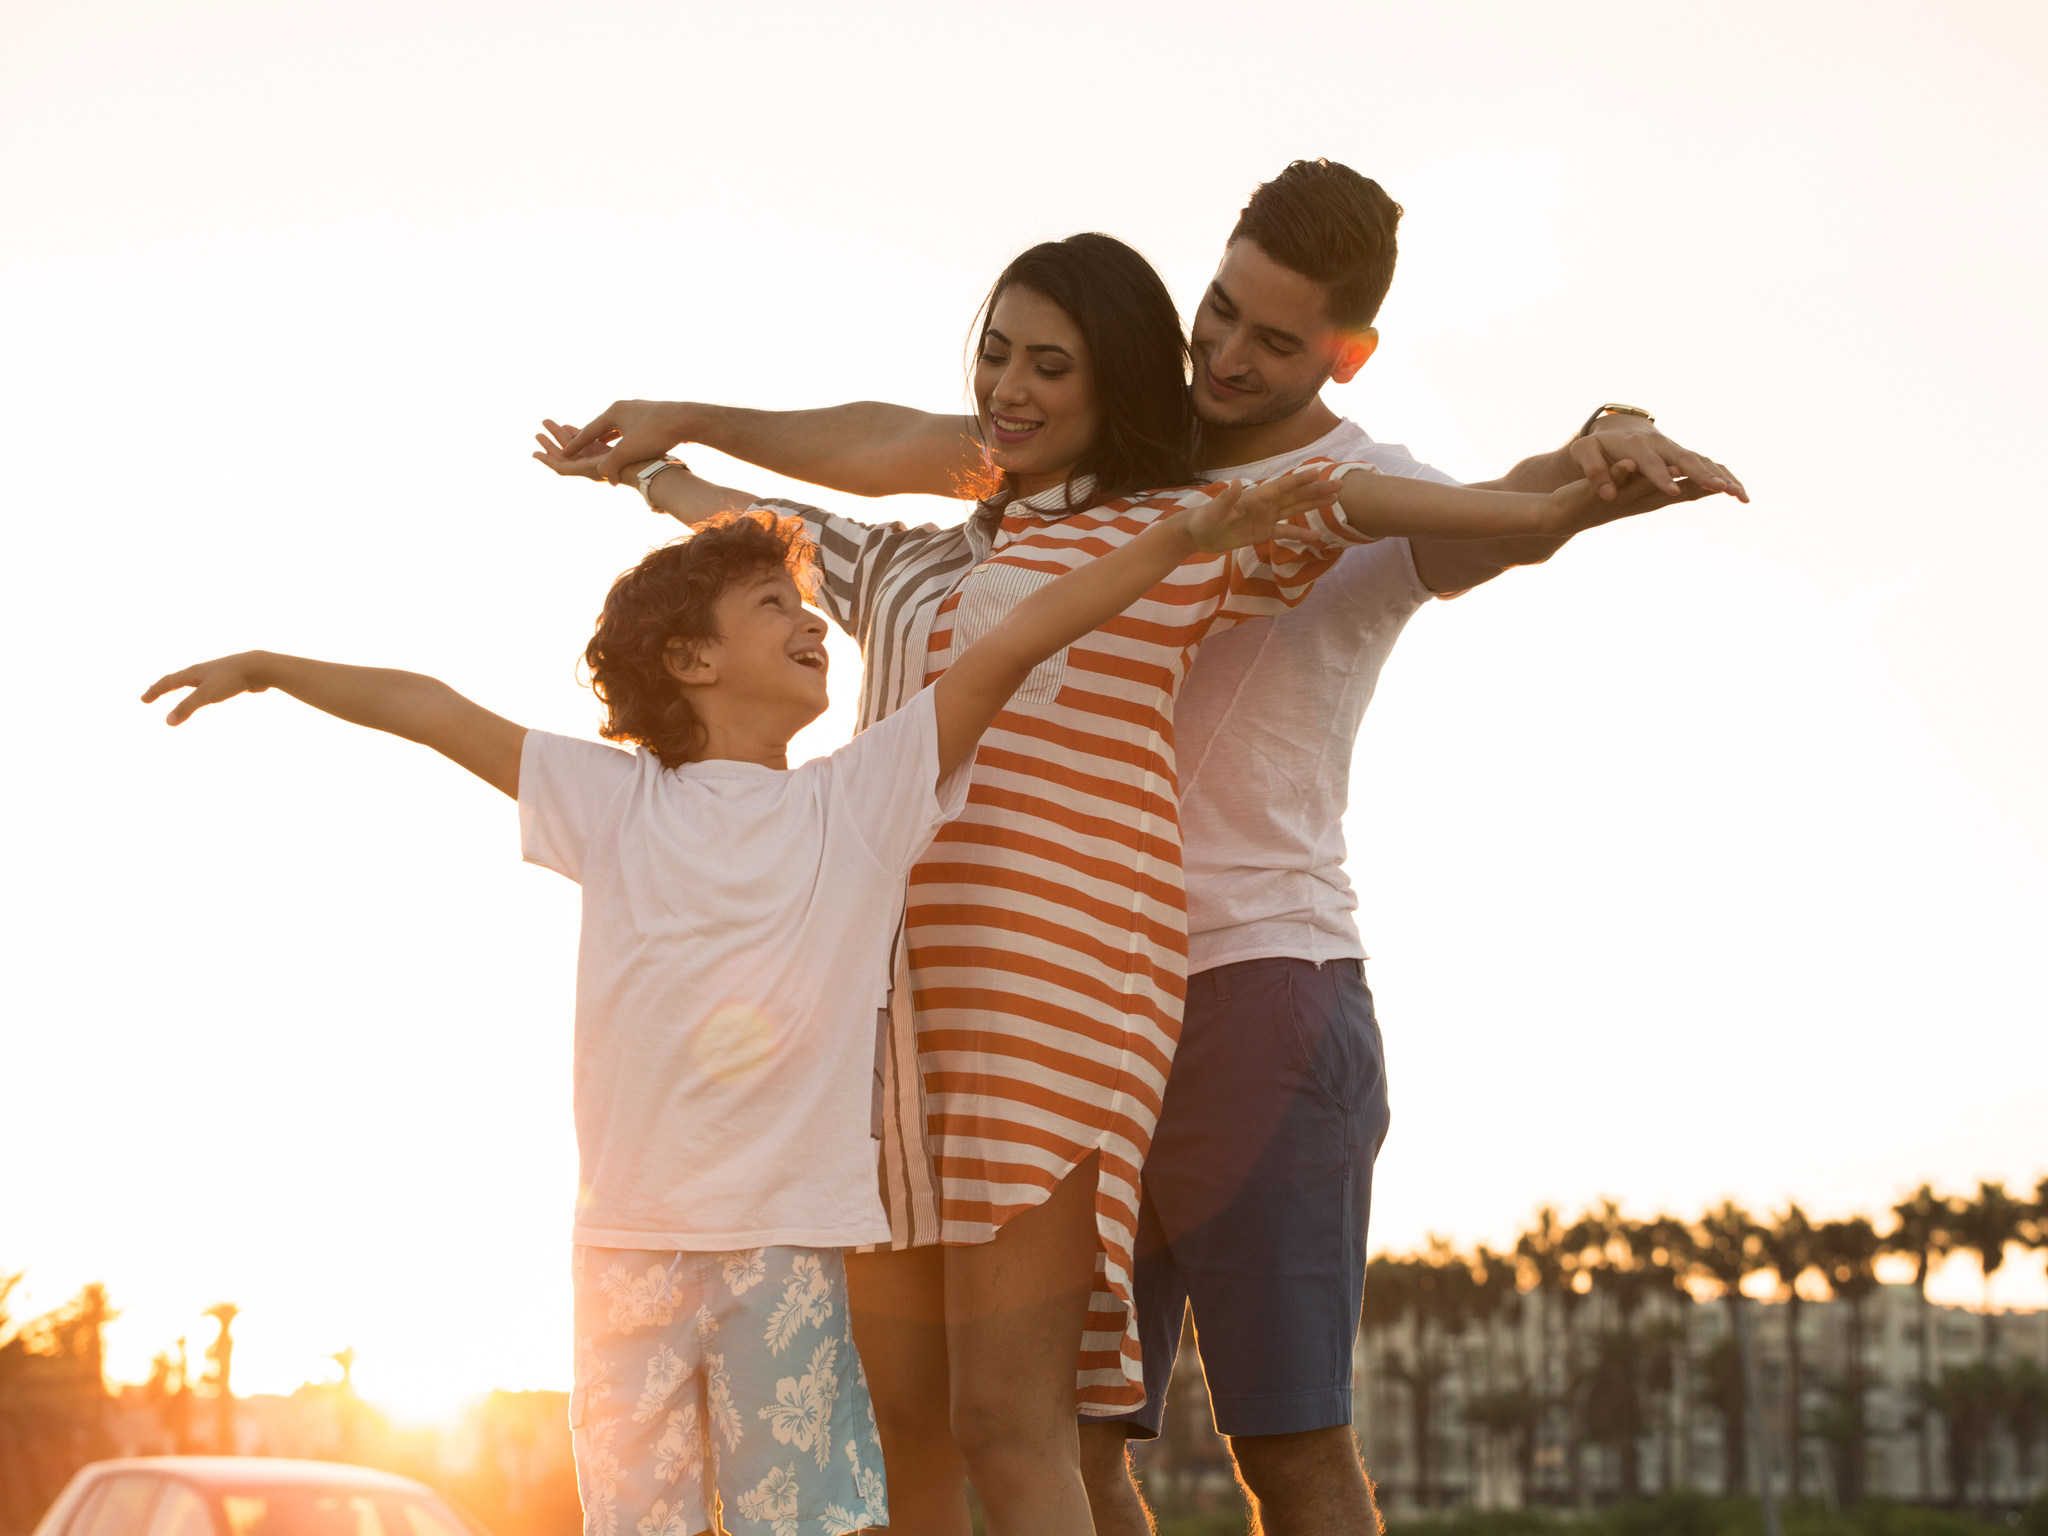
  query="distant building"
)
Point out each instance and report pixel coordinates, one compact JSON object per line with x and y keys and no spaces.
{"x":1508,"y":1404}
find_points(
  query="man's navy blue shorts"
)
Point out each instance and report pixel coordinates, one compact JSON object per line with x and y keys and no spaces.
{"x":1257,"y":1192}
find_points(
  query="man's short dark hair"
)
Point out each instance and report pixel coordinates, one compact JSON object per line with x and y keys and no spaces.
{"x":670,"y":597}
{"x":1330,"y":224}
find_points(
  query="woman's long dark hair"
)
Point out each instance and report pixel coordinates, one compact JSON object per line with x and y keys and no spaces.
{"x":1138,"y":353}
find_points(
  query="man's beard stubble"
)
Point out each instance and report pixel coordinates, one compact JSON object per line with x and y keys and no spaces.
{"x":1265,"y":410}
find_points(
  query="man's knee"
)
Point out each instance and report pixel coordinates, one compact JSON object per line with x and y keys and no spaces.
{"x":1275,"y":1467}
{"x":1105,"y":1454}
{"x":1113,"y":1497}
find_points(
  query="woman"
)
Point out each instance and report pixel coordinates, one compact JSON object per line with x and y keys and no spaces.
{"x":1046,"y":932}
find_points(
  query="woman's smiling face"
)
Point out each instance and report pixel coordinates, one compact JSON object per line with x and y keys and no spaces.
{"x":1034,"y":390}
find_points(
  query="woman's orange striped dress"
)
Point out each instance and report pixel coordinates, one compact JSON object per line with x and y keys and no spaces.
{"x":1047,"y":927}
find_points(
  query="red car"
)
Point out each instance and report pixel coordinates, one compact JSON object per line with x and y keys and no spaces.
{"x":247,"y":1496}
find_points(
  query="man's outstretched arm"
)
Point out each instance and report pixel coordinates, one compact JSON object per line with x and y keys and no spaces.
{"x":865,"y":448}
{"x":422,"y":709}
{"x":1617,"y":443}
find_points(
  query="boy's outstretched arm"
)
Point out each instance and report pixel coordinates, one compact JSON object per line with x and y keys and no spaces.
{"x":1392,"y":506}
{"x":864,"y":448}
{"x":422,"y":709}
{"x":974,"y":689}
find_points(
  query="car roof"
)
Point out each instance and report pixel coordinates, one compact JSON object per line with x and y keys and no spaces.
{"x":226,"y":1474}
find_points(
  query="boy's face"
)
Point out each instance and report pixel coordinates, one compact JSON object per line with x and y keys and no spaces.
{"x":768,"y":656}
{"x":1264,"y":342}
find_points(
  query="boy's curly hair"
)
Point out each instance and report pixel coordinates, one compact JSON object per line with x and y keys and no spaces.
{"x":669,"y":597}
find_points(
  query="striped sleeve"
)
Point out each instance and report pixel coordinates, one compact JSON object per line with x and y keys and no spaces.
{"x":1275,"y":575}
{"x":881,"y":583}
{"x":852,"y":558}
{"x":845,"y":558}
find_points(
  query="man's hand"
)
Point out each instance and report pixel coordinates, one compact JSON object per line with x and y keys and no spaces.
{"x":210,"y":682}
{"x":1237,"y":516}
{"x":1621,"y":440}
{"x":625,"y":432}
{"x":1576,"y":507}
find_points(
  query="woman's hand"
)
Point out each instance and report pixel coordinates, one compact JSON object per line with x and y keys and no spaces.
{"x":1239,"y":515}
{"x":559,"y":453}
{"x":210,"y":682}
{"x":629,"y":432}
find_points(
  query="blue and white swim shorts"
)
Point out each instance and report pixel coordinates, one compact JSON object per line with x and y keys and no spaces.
{"x":726,"y":1378}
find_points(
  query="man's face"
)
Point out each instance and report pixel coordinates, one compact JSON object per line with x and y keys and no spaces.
{"x":769,"y":652}
{"x":1264,"y":343}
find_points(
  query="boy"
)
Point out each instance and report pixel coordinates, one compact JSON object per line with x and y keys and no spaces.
{"x":736,"y":944}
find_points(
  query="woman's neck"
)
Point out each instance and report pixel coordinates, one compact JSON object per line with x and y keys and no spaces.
{"x":1028,"y":485}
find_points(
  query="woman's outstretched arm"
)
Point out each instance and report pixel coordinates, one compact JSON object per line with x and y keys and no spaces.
{"x":864,"y":448}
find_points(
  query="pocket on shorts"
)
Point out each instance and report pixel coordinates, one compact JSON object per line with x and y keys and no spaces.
{"x":1330,"y":1033}
{"x":988,"y":594}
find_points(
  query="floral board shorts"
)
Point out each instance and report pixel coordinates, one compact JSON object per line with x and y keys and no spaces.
{"x":724,"y":1380}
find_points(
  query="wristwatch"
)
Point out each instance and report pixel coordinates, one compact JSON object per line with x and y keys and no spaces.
{"x":1613,"y":408}
{"x":646,"y":478}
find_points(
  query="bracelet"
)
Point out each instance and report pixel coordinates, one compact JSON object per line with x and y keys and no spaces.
{"x":646,"y":479}
{"x":1613,"y":408}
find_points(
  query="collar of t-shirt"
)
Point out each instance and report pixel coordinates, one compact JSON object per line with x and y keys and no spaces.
{"x":1343,"y":439}
{"x":724,"y":768}
{"x":1073,"y":496}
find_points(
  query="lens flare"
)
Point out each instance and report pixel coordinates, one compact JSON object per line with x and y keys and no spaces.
{"x":734,"y":1040}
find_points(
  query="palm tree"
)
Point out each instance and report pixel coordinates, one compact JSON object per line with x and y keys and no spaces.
{"x":1922,"y":1228}
{"x":2038,"y":1233}
{"x":1412,"y":1290}
{"x":1971,"y":1399}
{"x":1846,"y":1256}
{"x":1727,"y":1247}
{"x":1542,"y":1249}
{"x":1719,"y":1385}
{"x":1502,"y":1413}
{"x":1389,"y":1298}
{"x":1790,"y":1251}
{"x":1444,"y":1296}
{"x":1628,"y":1263}
{"x":222,"y":1353}
{"x":1985,"y":1226}
{"x":2026,"y":1412}
{"x":1582,"y":1249}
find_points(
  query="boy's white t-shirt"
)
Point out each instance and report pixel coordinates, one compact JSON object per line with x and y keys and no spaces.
{"x":738,"y":938}
{"x":1264,"y":728}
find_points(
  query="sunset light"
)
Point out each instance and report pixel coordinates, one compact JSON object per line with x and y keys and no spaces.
{"x":1698,"y":864}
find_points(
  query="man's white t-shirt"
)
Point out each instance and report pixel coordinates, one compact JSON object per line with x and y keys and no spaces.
{"x":738,"y":937}
{"x":1264,"y":728}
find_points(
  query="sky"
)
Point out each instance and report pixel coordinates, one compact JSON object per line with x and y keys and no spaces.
{"x":1703,"y":861}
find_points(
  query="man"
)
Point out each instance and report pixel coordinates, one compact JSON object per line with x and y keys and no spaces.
{"x":1258,"y":1184}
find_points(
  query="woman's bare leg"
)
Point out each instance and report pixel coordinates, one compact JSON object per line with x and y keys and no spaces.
{"x":899,"y":1327}
{"x":1015,"y":1311}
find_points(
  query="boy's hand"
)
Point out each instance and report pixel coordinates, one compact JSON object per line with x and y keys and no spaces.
{"x":1237,"y":516}
{"x":210,"y":682}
